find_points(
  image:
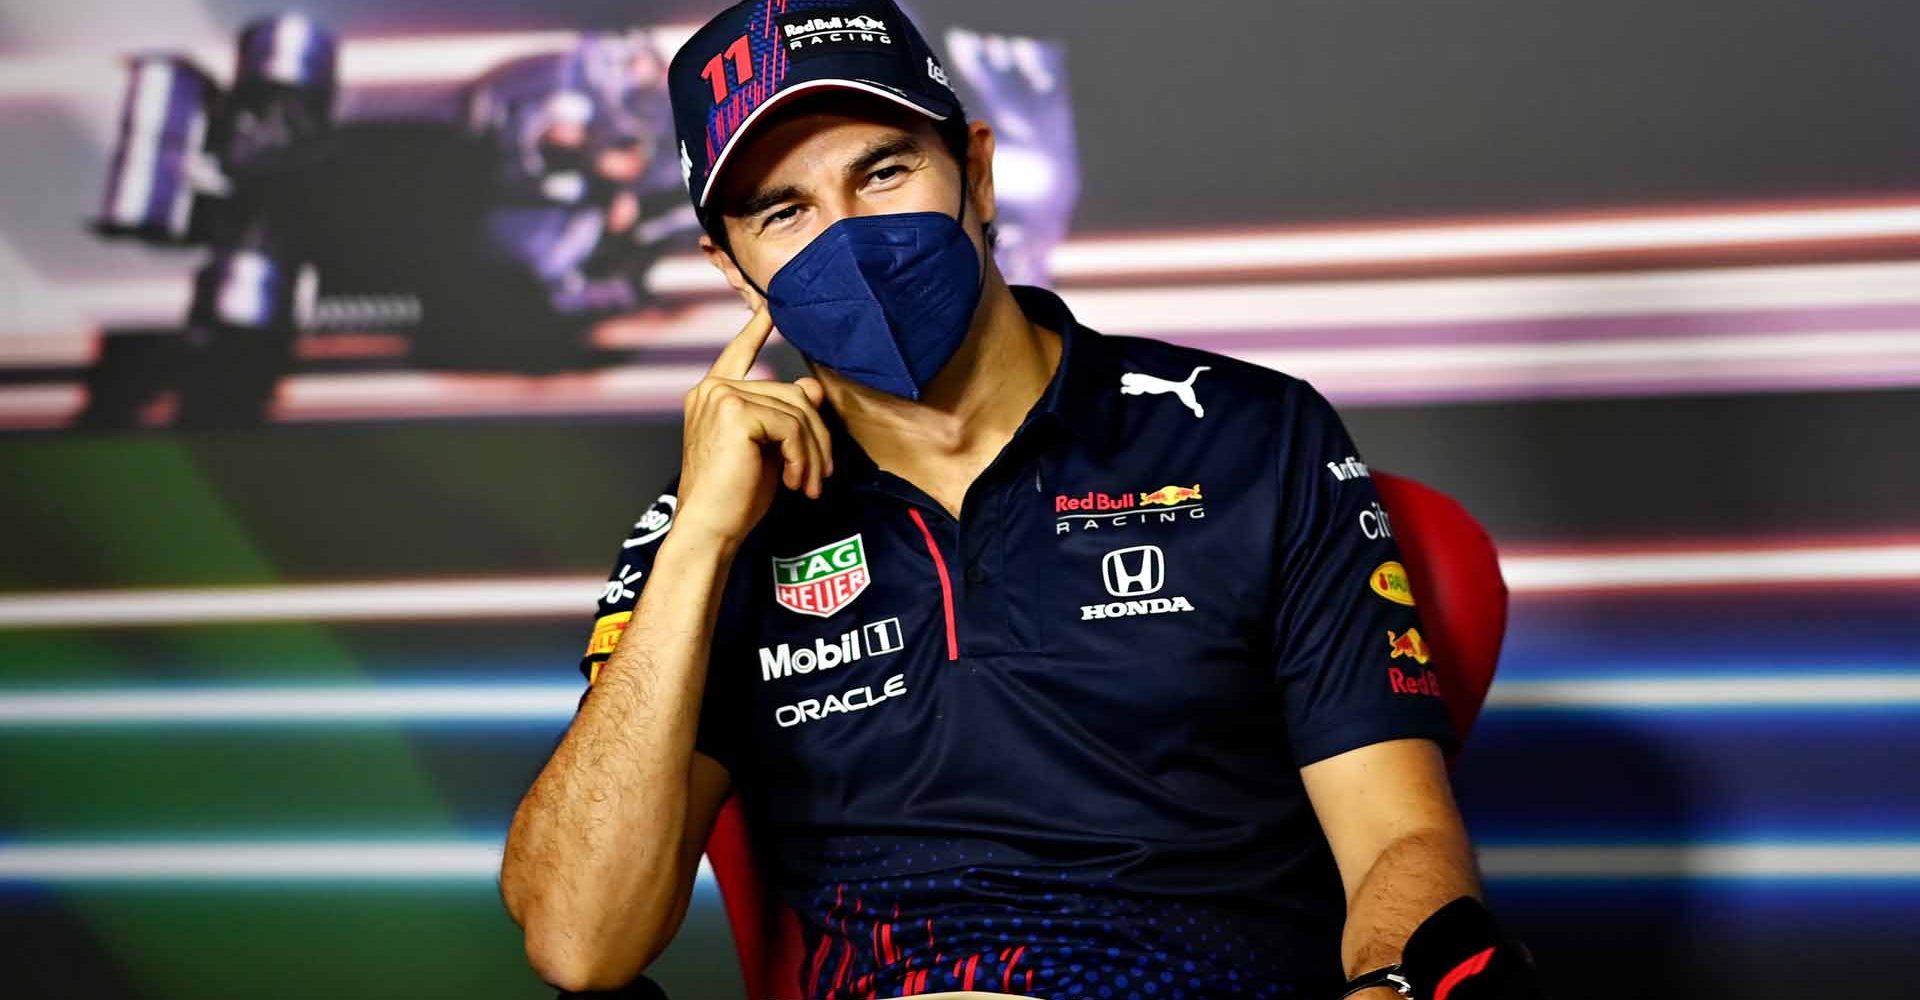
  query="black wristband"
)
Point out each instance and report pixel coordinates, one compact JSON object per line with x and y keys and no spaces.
{"x":1387,"y":975}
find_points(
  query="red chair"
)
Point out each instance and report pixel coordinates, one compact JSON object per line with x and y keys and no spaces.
{"x":1455,"y":573}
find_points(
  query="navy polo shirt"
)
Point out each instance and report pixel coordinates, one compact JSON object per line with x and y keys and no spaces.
{"x":1053,"y":747}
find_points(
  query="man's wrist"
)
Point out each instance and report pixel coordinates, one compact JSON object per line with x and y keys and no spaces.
{"x":688,"y":540}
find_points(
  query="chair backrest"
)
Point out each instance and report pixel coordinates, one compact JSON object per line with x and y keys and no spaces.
{"x":1454,"y":570}
{"x":766,"y":933}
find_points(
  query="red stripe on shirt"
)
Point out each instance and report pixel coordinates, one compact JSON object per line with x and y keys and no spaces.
{"x":946,"y":585}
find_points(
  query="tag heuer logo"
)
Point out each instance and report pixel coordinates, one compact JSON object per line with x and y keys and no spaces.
{"x":822,"y":581}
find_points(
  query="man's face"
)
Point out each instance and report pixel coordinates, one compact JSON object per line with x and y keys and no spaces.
{"x":824,"y":162}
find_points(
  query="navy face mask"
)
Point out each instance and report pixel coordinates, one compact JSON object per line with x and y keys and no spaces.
{"x":884,"y":300}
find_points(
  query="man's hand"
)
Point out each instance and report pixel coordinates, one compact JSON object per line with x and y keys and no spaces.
{"x":742,"y":434}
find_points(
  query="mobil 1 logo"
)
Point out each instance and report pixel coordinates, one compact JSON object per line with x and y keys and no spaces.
{"x":872,"y":639}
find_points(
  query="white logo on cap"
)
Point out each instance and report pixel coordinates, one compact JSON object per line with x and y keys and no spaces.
{"x":831,"y":30}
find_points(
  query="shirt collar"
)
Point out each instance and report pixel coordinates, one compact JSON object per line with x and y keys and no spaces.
{"x":1077,"y":398}
{"x":1080,"y":394}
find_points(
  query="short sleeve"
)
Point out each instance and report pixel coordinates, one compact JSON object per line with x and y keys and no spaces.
{"x":619,"y":598}
{"x":1348,"y":652}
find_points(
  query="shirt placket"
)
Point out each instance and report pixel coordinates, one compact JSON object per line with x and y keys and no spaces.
{"x":982,"y":603}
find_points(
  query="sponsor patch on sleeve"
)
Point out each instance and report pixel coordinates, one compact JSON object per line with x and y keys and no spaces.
{"x":1389,"y":580}
{"x":1410,"y":644}
{"x":1413,"y":678}
{"x":654,"y":523}
{"x":606,"y":633}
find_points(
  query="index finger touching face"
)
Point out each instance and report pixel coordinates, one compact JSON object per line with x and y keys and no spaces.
{"x":736,"y":359}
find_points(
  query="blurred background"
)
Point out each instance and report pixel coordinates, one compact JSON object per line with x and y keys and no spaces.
{"x":339,"y":348}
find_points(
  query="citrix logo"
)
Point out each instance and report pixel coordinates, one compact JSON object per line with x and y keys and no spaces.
{"x":1374,"y":522}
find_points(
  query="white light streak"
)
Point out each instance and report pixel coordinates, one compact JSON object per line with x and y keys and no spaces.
{"x":1462,"y":242}
{"x":384,"y":703}
{"x":1628,"y":365}
{"x":419,"y":600}
{"x":418,"y":60}
{"x":1542,"y":573}
{"x":625,"y":389}
{"x":1716,"y":692}
{"x":228,"y":861}
{"x":1756,"y":861}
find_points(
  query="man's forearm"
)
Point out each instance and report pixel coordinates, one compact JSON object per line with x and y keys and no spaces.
{"x":1416,"y":875}
{"x":592,"y":861}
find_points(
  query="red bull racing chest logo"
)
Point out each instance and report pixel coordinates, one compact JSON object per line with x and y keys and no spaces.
{"x":821,"y":581}
{"x":1096,"y":511}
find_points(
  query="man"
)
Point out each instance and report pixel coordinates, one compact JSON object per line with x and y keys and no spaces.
{"x":1047,"y":663}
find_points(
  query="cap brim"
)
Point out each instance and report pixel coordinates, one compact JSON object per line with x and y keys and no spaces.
{"x":863,"y":86}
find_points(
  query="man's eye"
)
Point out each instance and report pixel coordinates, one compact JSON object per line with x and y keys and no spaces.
{"x":887,"y":172}
{"x":781,"y":216}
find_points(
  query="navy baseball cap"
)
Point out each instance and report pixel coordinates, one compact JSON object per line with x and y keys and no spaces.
{"x":754,"y":55}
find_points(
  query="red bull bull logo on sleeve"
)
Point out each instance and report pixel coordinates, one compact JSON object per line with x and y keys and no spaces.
{"x":1408,"y":644}
{"x":1412,"y":645}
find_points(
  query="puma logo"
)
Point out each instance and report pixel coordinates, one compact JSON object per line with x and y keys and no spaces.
{"x":1140,"y":384}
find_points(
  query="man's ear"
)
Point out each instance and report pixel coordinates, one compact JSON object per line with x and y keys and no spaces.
{"x":980,"y":171}
{"x":723,"y":261}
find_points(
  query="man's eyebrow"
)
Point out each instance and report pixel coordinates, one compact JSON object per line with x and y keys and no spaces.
{"x":882,"y":149}
{"x":765,"y":199}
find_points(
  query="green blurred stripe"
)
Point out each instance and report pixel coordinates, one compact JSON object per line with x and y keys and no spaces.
{"x":278,"y":652}
{"x":164,"y":781}
{"x":295,"y":942}
{"x":147,"y":511}
{"x":326,"y":502}
{"x":291,"y":942}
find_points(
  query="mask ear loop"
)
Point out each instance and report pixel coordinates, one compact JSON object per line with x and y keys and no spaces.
{"x":966,"y":196}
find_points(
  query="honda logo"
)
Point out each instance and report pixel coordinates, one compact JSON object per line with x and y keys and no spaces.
{"x":1135,"y":571}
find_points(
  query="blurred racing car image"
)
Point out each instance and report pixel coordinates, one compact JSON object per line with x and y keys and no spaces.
{"x":501,"y":224}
